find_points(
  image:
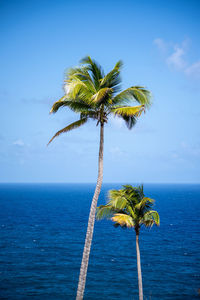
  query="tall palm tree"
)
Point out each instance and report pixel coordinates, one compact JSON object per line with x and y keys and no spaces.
{"x":94,"y":95}
{"x":129,"y":208}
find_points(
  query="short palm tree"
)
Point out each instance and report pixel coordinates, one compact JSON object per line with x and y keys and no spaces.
{"x":96,"y":96}
{"x":129,"y":208}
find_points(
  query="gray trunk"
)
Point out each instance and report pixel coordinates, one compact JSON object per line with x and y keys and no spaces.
{"x":139,"y":268}
{"x":90,"y":228}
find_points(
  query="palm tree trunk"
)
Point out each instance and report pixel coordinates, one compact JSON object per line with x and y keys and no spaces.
{"x":90,"y":228}
{"x":139,"y":268}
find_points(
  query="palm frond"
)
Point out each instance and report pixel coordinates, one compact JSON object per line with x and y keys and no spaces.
{"x":130,"y":121}
{"x":83,"y":77}
{"x":134,"y":194}
{"x":105,"y":211}
{"x":90,"y":114}
{"x":117,"y":199}
{"x":102,"y":94}
{"x":123,"y":220}
{"x":78,"y":71}
{"x":79,"y":106}
{"x":58,"y":104}
{"x":135,"y":111}
{"x":140,"y":190}
{"x":128,"y":113}
{"x":144,"y":203}
{"x":95,"y":69}
{"x":142,"y":95}
{"x":69,"y":127}
{"x":151,"y":217}
{"x":112,"y":79}
{"x":75,"y":87}
{"x":118,"y":202}
{"x":134,"y":93}
{"x":76,"y":106}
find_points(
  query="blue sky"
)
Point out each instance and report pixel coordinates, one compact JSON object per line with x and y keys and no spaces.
{"x":159,"y":43}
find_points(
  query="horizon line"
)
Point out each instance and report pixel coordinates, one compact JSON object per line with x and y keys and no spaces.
{"x":94,"y":182}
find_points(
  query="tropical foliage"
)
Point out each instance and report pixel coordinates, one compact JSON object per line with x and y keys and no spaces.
{"x":95,"y":95}
{"x":129,"y":208}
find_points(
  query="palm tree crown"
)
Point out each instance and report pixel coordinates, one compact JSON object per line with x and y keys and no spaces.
{"x":129,"y":208}
{"x":94,"y":95}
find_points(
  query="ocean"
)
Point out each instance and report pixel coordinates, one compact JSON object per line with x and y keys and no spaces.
{"x":42,"y":232}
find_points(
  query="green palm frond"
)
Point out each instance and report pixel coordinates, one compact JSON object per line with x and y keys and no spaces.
{"x":123,"y":220}
{"x":95,"y":69}
{"x":130,"y":121}
{"x":58,"y":104}
{"x":112,"y":79}
{"x":118,"y":202}
{"x":128,"y":113}
{"x":136,"y":93}
{"x":76,"y":78}
{"x":141,"y":95}
{"x":135,"y":111}
{"x":105,"y":211}
{"x":118,"y":65}
{"x":76,"y":106}
{"x":134,"y":192}
{"x":79,"y":107}
{"x":151,"y":217}
{"x":117,"y":199}
{"x":75,"y":87}
{"x":69,"y":127}
{"x":129,"y":210}
{"x":102,"y":94}
{"x":80,"y":72}
{"x":144,"y":203}
{"x":90,"y":114}
{"x":140,"y":191}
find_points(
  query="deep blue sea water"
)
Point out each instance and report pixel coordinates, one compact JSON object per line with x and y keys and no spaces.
{"x":42,"y":232}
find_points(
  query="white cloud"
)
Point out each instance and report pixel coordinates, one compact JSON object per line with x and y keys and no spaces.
{"x":19,"y":143}
{"x":176,"y":59}
{"x":193,"y":70}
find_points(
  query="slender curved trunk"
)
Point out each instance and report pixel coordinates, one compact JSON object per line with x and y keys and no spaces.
{"x":139,"y":268}
{"x":90,"y":228}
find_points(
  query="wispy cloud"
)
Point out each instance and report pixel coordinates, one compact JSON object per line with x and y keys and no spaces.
{"x":193,"y":70}
{"x":19,"y":143}
{"x":175,"y":56}
{"x":176,"y":59}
